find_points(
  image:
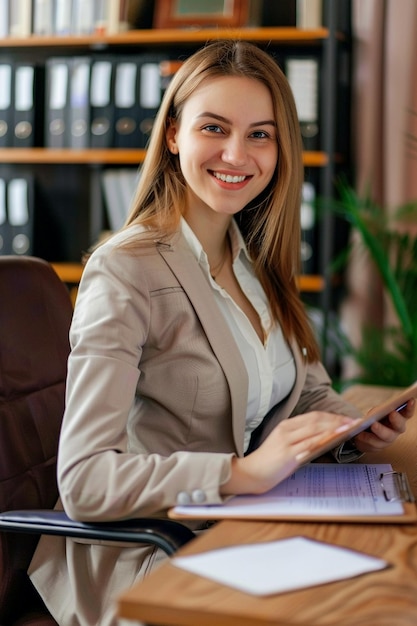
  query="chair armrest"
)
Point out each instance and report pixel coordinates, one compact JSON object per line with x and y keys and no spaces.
{"x":165,"y":534}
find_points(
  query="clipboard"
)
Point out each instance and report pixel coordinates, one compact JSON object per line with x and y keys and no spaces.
{"x":326,"y":492}
{"x":376,"y":414}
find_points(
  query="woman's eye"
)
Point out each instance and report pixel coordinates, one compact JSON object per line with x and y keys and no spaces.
{"x":213,"y":128}
{"x":260,"y":134}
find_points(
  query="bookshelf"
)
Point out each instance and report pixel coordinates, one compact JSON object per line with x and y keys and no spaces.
{"x":78,"y":216}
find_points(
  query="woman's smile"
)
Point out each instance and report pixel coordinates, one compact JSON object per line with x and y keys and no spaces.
{"x":230,"y":181}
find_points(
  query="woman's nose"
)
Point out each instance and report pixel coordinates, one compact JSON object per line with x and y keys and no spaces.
{"x":235,"y":151}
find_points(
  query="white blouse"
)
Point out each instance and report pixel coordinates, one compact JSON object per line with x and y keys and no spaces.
{"x":270,"y":366}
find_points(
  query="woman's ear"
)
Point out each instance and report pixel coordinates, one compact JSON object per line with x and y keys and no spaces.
{"x":170,"y":135}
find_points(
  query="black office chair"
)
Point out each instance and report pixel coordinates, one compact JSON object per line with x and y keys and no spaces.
{"x":35,"y":315}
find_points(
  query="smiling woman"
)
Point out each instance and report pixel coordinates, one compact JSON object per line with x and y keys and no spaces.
{"x":190,"y":346}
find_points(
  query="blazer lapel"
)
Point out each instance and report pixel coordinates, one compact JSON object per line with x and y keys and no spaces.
{"x":186,"y":269}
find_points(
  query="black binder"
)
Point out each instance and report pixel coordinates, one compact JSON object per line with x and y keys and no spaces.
{"x":101,"y":103}
{"x":28,"y":105}
{"x":303,"y":73}
{"x":56,"y":102}
{"x":279,"y":13}
{"x":150,"y":94}
{"x":6,"y":104}
{"x":126,"y":102}
{"x":4,"y":225}
{"x":308,"y":228}
{"x":17,"y":231}
{"x":78,"y":128}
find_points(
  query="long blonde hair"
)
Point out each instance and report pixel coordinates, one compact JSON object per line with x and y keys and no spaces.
{"x":271,"y":224}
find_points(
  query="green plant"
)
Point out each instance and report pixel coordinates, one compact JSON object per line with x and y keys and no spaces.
{"x":387,"y":354}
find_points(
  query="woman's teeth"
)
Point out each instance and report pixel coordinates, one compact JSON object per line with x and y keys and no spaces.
{"x":227,"y":178}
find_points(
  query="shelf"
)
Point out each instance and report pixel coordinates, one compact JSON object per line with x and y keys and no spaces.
{"x":310,"y":283}
{"x":315,"y":159}
{"x":71,"y":273}
{"x":171,"y":36}
{"x":115,"y":156}
{"x":71,"y":156}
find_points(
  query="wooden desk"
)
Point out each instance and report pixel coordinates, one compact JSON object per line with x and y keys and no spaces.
{"x":173,"y":597}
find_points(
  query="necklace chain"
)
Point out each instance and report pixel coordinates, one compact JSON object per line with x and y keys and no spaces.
{"x":214,"y":274}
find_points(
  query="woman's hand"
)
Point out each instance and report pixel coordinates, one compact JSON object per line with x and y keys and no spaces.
{"x":283,"y":450}
{"x":383,"y":433}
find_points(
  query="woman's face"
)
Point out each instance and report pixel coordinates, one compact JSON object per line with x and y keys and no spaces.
{"x":227,"y":144}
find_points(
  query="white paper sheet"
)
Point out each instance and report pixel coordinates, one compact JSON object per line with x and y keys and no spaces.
{"x":279,"y":566}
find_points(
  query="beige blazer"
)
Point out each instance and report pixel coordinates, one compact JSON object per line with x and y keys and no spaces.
{"x":155,"y":410}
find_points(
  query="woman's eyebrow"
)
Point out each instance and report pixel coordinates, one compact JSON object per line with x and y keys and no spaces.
{"x":214,"y":115}
{"x":264,"y":123}
{"x":227,"y":121}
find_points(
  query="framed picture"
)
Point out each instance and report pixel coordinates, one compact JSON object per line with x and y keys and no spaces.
{"x":189,"y":13}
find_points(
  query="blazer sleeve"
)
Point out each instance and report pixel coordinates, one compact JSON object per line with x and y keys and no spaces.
{"x":99,"y":477}
{"x":318,"y":394}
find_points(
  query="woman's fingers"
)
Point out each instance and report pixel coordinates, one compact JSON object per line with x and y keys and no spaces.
{"x":409,"y":409}
{"x":383,"y":433}
{"x":287,"y":445}
{"x":301,"y":434}
{"x":312,"y":426}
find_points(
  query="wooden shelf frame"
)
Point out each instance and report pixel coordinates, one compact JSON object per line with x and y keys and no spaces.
{"x":287,"y":35}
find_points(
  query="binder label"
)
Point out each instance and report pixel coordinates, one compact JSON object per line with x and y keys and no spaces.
{"x":5,"y":87}
{"x":24,"y":88}
{"x":150,"y":86}
{"x":125,"y":87}
{"x":79,"y":85}
{"x":59,"y":82}
{"x":100,"y":84}
{"x":18,"y":202}
{"x":303,"y":78}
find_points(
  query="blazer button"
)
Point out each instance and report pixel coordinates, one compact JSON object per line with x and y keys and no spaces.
{"x":198,"y":496}
{"x":183,"y":498}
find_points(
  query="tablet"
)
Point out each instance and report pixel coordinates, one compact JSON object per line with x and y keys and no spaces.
{"x":377,"y":413}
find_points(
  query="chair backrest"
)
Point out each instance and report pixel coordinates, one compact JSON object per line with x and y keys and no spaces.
{"x":35,"y":315}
